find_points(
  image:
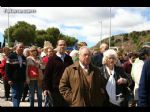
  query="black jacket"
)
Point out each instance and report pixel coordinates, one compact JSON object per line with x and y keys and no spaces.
{"x":144,"y":86}
{"x":54,"y":70}
{"x":14,"y":72}
{"x":97,"y":59}
{"x":119,"y":72}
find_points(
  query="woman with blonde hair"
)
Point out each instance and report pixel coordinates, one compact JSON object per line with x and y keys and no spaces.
{"x":115,"y":80}
{"x":34,"y":76}
{"x":50,"y":53}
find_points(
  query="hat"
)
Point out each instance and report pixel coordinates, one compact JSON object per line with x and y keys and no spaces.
{"x":47,"y":44}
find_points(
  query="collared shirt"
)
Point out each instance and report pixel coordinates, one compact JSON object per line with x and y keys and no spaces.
{"x":20,"y":60}
{"x":61,"y":56}
{"x":83,"y":67}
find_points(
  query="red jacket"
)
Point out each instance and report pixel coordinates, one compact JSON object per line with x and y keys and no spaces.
{"x":2,"y":69}
{"x":127,"y":67}
{"x":45,"y":60}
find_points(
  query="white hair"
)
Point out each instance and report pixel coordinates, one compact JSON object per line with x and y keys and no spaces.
{"x":108,"y":53}
{"x":74,"y":53}
{"x":25,"y":51}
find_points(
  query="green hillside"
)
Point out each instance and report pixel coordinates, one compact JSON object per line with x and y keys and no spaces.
{"x":127,"y":42}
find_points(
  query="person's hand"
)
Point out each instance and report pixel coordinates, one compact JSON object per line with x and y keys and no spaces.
{"x":46,"y":92}
{"x":121,"y":81}
{"x":28,"y":81}
{"x":102,"y":91}
{"x":10,"y":83}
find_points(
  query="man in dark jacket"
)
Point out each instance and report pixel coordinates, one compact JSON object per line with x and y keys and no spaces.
{"x":16,"y":73}
{"x":53,"y":72}
{"x":97,"y":59}
{"x":144,"y":86}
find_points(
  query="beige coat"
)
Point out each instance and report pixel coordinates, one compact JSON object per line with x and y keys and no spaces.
{"x":38,"y":64}
{"x":136,"y":72}
{"x":73,"y":86}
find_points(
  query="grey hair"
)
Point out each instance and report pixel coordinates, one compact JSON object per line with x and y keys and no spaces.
{"x":108,"y":53}
{"x":25,"y":51}
{"x":18,"y":43}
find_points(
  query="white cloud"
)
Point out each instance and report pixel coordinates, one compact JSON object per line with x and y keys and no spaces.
{"x":93,"y":39}
{"x":86,"y":18}
{"x":140,"y":27}
{"x":71,"y":32}
{"x":126,"y":18}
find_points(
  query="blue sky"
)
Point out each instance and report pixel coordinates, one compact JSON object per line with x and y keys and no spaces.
{"x":82,"y":22}
{"x":1,"y":37}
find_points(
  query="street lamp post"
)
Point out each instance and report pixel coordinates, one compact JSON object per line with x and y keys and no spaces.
{"x":110,"y":27}
{"x":101,"y":33}
{"x":8,"y":31}
{"x":15,"y":11}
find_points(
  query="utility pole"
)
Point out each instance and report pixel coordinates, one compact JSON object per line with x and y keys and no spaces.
{"x":110,"y":27}
{"x":8,"y":31}
{"x":101,"y":33}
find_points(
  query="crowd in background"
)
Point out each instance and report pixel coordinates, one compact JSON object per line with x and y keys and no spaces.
{"x":81,"y":77}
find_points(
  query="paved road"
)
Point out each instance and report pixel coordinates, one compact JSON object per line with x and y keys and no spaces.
{"x":4,"y":103}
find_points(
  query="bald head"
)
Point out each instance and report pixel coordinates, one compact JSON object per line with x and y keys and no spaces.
{"x":85,"y":55}
{"x":103,"y":47}
{"x":83,"y":49}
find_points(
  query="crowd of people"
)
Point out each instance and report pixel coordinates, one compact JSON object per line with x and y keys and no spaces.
{"x":80,"y":78}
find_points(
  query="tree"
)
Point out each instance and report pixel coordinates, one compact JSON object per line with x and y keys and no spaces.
{"x":26,"y":33}
{"x":143,"y":33}
{"x":112,"y":43}
{"x":22,"y":32}
{"x":125,"y":35}
{"x":69,"y":40}
{"x":53,"y":35}
{"x":41,"y":36}
{"x":125,"y":38}
{"x":112,"y":38}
